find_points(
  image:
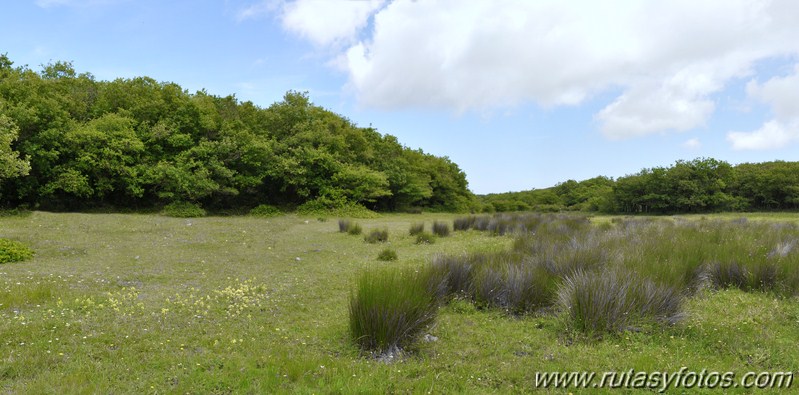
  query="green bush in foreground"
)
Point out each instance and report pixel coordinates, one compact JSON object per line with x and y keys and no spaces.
{"x":183,"y":210}
{"x":387,"y":255}
{"x":14,"y":251}
{"x":376,"y":236}
{"x":390,"y":308}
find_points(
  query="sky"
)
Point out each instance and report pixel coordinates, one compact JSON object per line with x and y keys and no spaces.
{"x":521,"y":94}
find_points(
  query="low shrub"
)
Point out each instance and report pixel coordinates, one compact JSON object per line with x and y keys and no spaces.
{"x":529,"y":287}
{"x":390,"y":308}
{"x":464,"y":223}
{"x":376,"y":236}
{"x":344,"y":225}
{"x":728,"y":274}
{"x":425,"y":238}
{"x":416,"y":228}
{"x":14,"y":251}
{"x":327,"y":207}
{"x":488,"y":287}
{"x":614,"y":301}
{"x":440,"y":229}
{"x":387,"y":255}
{"x":265,"y":210}
{"x":455,"y":273}
{"x":355,"y":229}
{"x":183,"y":210}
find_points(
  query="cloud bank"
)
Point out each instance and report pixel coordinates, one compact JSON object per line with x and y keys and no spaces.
{"x":666,"y":59}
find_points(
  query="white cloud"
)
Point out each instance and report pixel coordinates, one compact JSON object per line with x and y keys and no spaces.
{"x":782,"y":94}
{"x":692,"y":144}
{"x":667,"y":59}
{"x":258,"y":9}
{"x":773,"y":134}
{"x":326,"y":22}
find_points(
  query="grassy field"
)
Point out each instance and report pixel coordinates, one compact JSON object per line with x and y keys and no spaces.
{"x":149,"y":304}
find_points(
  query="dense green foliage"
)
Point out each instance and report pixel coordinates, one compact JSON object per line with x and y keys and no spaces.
{"x":183,"y":210}
{"x":68,"y":141}
{"x":699,"y":185}
{"x":14,"y":251}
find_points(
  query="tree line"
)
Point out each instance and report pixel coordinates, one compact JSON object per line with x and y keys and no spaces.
{"x":696,"y":186}
{"x":70,"y":142}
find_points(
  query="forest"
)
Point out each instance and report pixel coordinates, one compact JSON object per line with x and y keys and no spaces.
{"x":71,"y":142}
{"x":697,"y":186}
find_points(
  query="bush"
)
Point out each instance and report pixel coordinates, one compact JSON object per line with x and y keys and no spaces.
{"x":326,"y":207}
{"x":344,"y":225}
{"x":355,"y":229}
{"x":529,"y":287}
{"x":265,"y":210}
{"x":425,"y":238}
{"x":615,"y":301}
{"x":183,"y":210}
{"x":440,"y":229}
{"x":390,"y":308}
{"x":455,"y":272}
{"x":14,"y":251}
{"x":377,"y":236}
{"x":416,"y":228}
{"x":387,"y":255}
{"x":488,"y":287}
{"x":464,"y":223}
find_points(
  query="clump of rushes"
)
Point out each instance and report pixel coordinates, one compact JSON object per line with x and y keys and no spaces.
{"x":390,"y":308}
{"x":425,"y":238}
{"x":344,"y":225}
{"x":387,"y":255}
{"x":615,"y":301}
{"x":355,"y":229}
{"x":377,"y":236}
{"x":440,"y":229}
{"x":14,"y":251}
{"x":416,"y":228}
{"x":464,"y":223}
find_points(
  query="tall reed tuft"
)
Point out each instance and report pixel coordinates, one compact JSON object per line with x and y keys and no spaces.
{"x":416,"y":228}
{"x":389,"y":309}
{"x":440,"y":229}
{"x":344,"y":225}
{"x":611,"y":301}
{"x":376,"y":236}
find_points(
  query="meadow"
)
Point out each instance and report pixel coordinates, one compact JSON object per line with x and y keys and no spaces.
{"x":143,"y":303}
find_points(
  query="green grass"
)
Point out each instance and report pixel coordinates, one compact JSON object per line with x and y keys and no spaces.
{"x":116,"y":303}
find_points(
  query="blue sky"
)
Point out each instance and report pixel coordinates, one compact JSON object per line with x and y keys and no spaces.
{"x":521,"y":94}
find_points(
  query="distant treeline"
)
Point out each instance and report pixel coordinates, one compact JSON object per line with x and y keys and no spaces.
{"x":697,"y":186}
{"x":68,"y":141}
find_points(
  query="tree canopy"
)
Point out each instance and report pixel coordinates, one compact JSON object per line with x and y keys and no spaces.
{"x":69,"y":141}
{"x":696,"y":186}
